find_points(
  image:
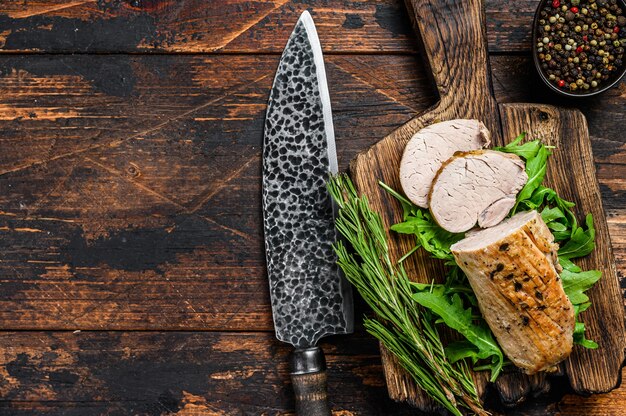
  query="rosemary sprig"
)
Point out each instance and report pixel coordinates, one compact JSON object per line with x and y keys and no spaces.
{"x":401,"y":325}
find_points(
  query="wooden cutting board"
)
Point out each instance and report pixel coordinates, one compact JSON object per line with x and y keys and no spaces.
{"x":454,"y":44}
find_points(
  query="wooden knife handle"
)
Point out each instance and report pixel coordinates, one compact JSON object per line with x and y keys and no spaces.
{"x":454,"y":42}
{"x":308,"y":375}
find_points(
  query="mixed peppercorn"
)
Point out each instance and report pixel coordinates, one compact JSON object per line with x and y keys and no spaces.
{"x":580,"y":43}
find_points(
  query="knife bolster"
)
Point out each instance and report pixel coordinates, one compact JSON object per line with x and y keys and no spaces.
{"x":308,"y":376}
{"x":307,"y":360}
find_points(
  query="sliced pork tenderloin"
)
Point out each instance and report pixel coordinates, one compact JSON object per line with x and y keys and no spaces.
{"x":513,"y":270}
{"x":430,"y":147}
{"x":478,"y":186}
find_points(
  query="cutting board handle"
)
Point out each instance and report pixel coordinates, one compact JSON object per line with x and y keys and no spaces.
{"x":454,"y":40}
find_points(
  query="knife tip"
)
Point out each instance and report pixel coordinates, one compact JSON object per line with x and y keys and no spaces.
{"x":306,"y":16}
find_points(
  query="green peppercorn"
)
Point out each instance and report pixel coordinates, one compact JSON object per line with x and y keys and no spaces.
{"x":594,"y":84}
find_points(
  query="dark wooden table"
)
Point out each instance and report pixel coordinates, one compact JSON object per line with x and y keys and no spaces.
{"x":132,"y":274}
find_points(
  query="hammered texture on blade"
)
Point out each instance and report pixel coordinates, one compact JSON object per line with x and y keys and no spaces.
{"x":306,"y":289}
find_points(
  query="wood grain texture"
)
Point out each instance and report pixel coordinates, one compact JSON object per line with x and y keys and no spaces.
{"x":208,"y":373}
{"x":103,"y":153}
{"x":177,"y":373}
{"x":233,"y":26}
{"x":140,"y":211}
{"x":461,"y":73}
{"x":129,"y":168}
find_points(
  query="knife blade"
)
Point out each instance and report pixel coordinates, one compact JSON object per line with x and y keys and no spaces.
{"x":310,"y":298}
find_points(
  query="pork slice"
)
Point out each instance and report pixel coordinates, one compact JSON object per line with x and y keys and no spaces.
{"x":513,"y":270}
{"x":476,"y":187}
{"x":430,"y":147}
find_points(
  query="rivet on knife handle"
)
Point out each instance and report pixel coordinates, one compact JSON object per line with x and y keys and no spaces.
{"x":308,"y":376}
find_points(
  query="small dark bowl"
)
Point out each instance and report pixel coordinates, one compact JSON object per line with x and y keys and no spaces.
{"x":613,"y":80}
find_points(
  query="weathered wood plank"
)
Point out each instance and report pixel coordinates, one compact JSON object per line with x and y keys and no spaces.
{"x":250,"y":26}
{"x":185,"y":373}
{"x":155,"y":373}
{"x":147,"y":223}
{"x":140,"y":209}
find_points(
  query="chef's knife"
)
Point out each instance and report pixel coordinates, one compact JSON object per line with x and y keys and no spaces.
{"x":310,"y":298}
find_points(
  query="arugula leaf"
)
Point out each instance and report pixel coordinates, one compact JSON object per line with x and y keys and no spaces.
{"x":527,"y":150}
{"x":579,"y":337}
{"x":552,"y":214}
{"x":536,"y":170}
{"x":430,"y":235}
{"x":454,"y":315}
{"x":568,"y":265}
{"x":576,"y":283}
{"x":581,"y":243}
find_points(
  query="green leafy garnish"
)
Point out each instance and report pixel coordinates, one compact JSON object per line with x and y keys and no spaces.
{"x":575,"y":284}
{"x":536,"y":170}
{"x":581,"y":242}
{"x":430,"y":235}
{"x":450,"y":309}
